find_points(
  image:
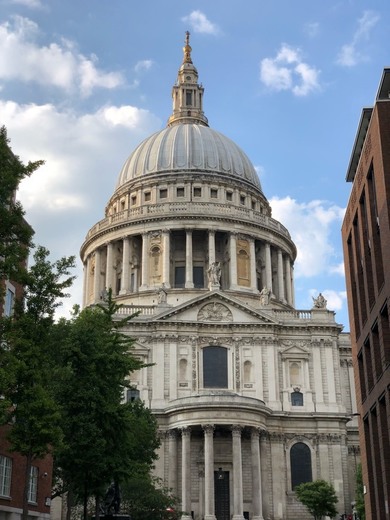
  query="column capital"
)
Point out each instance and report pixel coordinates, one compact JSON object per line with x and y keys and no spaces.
{"x":208,"y":428}
{"x":186,"y":431}
{"x":236,"y":430}
{"x":171,"y":434}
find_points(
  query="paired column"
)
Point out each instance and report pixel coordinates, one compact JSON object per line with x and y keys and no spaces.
{"x":186,"y":473}
{"x":252,"y":252}
{"x":281,"y":291}
{"x":96,"y":279}
{"x":257,"y":502}
{"x":125,"y":279}
{"x":209,"y":472}
{"x":189,"y":283}
{"x":110,"y":267}
{"x":233,"y":261}
{"x":288,"y":280}
{"x":268,"y":267}
{"x":166,"y":255}
{"x":145,"y":262}
{"x":172,"y":469}
{"x":237,"y":474}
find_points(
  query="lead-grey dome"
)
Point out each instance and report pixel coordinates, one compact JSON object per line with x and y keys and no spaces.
{"x":190,"y":148}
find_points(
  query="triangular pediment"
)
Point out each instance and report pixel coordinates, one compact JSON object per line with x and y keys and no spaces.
{"x":215,"y":307}
{"x":295,"y":351}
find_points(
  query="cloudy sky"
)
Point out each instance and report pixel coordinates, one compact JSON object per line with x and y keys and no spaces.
{"x":82,"y":83}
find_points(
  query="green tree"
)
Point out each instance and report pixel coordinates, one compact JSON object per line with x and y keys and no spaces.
{"x":360,"y":509}
{"x":319,"y":497}
{"x":105,"y":439}
{"x":15,"y":232}
{"x":25,"y":357}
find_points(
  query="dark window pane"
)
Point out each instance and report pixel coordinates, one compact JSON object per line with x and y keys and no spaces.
{"x":198,"y":277}
{"x":180,"y":273}
{"x":300,"y":458}
{"x":297,"y":399}
{"x":215,"y":367}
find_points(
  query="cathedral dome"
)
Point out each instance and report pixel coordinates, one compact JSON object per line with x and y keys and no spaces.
{"x":188,"y":147}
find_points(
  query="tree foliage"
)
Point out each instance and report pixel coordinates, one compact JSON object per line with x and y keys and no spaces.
{"x":319,"y":497}
{"x":15,"y":232}
{"x":105,"y":438}
{"x":360,"y":508}
{"x":25,"y":362}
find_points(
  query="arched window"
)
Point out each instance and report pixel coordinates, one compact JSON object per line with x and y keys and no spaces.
{"x":300,"y":459}
{"x":215,"y":367}
{"x":183,"y":369}
{"x":297,"y":399}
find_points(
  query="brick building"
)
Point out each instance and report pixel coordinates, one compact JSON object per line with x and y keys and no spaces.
{"x":366,"y":242}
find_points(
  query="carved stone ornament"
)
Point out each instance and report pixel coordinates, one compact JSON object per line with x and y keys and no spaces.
{"x":215,"y":312}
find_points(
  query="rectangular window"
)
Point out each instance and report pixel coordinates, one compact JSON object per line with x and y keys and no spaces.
{"x":198,"y":277}
{"x":213,"y":193}
{"x":9,"y":301}
{"x":179,"y":192}
{"x":163,"y":193}
{"x":197,"y":192}
{"x":242,"y":200}
{"x":229,"y":195}
{"x":33,"y":488}
{"x":188,"y":98}
{"x":180,"y":273}
{"x":133,"y":200}
{"x":148,"y":196}
{"x":5,"y":476}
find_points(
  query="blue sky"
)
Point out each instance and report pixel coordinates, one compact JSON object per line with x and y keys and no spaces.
{"x":82,"y":83}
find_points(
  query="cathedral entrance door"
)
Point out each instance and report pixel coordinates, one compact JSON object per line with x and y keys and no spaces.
{"x":222,"y":495}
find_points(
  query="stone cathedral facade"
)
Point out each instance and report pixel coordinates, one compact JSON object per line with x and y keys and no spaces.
{"x":252,"y":396}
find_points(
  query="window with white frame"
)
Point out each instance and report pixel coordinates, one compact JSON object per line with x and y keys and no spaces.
{"x":33,"y":488}
{"x":5,"y":476}
{"x":9,"y":300}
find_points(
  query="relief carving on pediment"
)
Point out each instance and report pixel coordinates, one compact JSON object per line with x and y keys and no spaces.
{"x":215,"y":312}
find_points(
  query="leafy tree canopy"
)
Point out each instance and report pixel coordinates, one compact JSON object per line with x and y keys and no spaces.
{"x":15,"y":232}
{"x":319,"y":497}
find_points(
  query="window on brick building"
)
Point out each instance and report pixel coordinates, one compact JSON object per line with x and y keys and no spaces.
{"x":5,"y":476}
{"x":33,"y":488}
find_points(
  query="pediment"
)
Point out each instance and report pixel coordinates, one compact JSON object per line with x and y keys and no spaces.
{"x":215,"y":307}
{"x":295,"y":351}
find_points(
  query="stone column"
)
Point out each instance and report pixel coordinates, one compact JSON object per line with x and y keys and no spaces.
{"x":172,"y":469}
{"x":166,"y":258}
{"x":253,"y":265}
{"x":280,"y":277}
{"x":109,"y":267}
{"x":186,"y":473}
{"x":87,"y":266}
{"x":211,"y":247}
{"x":288,"y":280}
{"x":125,"y":280}
{"x":268,"y":267}
{"x":189,"y":284}
{"x":145,"y":262}
{"x":292,"y":286}
{"x":233,"y":261}
{"x":237,"y":474}
{"x":257,"y":502}
{"x":209,"y":472}
{"x":96,"y":278}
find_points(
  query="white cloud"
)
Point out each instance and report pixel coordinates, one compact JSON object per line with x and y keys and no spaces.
{"x":142,"y":65}
{"x":56,"y":64}
{"x":84,"y":155}
{"x":287,"y":71}
{"x":351,"y":53}
{"x":310,"y":225}
{"x":199,"y":23}
{"x":32,"y":4}
{"x":312,"y":29}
